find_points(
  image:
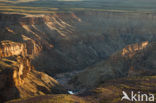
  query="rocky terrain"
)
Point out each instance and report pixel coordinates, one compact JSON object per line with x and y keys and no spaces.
{"x":76,"y":40}
{"x":111,"y":90}
{"x":134,"y":60}
{"x":18,"y":78}
{"x":81,"y":52}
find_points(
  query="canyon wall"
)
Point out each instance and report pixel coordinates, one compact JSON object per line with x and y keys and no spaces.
{"x":18,"y":77}
{"x":67,"y":42}
{"x":9,"y":48}
{"x":72,"y":41}
{"x":132,"y":61}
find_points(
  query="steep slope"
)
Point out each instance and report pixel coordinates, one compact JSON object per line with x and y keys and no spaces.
{"x":108,"y":92}
{"x":72,"y":41}
{"x":111,"y":91}
{"x":18,"y":78}
{"x":8,"y":48}
{"x":134,"y":60}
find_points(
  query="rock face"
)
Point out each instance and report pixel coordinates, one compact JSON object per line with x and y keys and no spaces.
{"x":131,"y":50}
{"x":134,"y":60}
{"x":18,"y":78}
{"x":76,"y":40}
{"x":33,"y":49}
{"x":9,"y":48}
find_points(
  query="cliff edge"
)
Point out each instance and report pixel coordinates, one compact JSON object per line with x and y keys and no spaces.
{"x":18,"y":78}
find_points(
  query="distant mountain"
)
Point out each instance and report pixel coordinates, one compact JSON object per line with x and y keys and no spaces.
{"x":132,"y":5}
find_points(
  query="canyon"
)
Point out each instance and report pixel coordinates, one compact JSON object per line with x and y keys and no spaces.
{"x":82,"y":50}
{"x":138,"y":60}
{"x":76,"y":40}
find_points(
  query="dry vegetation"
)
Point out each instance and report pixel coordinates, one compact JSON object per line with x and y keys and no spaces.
{"x":111,"y":92}
{"x":62,"y":98}
{"x":29,"y":10}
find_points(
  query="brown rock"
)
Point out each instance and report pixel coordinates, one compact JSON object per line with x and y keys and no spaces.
{"x":18,"y":78}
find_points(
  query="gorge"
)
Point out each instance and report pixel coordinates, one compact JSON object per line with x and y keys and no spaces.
{"x":85,"y":51}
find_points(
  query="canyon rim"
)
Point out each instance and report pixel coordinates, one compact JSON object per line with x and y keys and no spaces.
{"x":77,"y":51}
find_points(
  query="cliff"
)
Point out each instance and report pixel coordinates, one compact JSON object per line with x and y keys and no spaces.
{"x":133,"y":60}
{"x":9,"y":48}
{"x":18,"y":78}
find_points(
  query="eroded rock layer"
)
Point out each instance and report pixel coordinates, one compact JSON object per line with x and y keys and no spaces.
{"x":18,"y":78}
{"x":9,"y":48}
{"x":77,"y":39}
{"x":133,"y":60}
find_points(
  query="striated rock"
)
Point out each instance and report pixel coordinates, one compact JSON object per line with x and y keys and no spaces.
{"x":9,"y":48}
{"x":27,"y":48}
{"x":134,"y":60}
{"x":130,"y":50}
{"x":33,"y":49}
{"x":12,"y":75}
{"x":18,"y":78}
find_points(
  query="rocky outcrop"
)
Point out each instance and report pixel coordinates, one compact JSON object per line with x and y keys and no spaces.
{"x":12,"y":75}
{"x":18,"y":78}
{"x":131,"y":50}
{"x":9,"y":48}
{"x":134,"y":60}
{"x":27,"y":48}
{"x":33,"y":49}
